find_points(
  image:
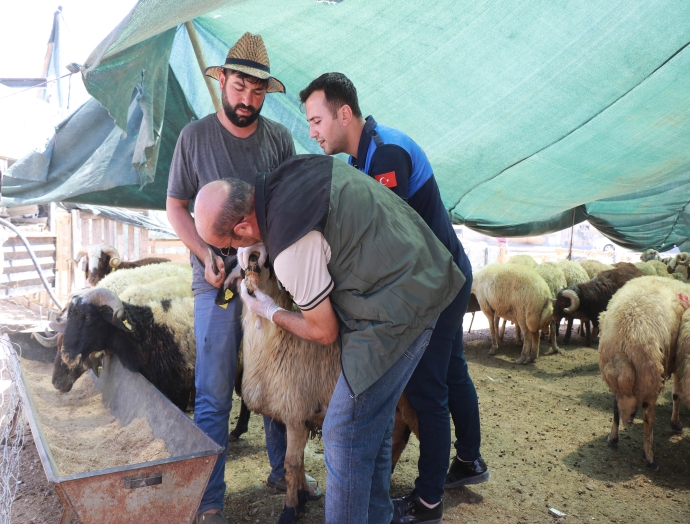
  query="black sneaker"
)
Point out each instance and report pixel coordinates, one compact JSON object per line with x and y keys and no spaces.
{"x":410,"y":510}
{"x":462,"y":473}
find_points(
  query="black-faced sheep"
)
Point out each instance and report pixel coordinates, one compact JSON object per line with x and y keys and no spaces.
{"x":637,"y":349}
{"x":137,"y":286}
{"x":156,"y":340}
{"x":516,"y":293}
{"x":288,"y":379}
{"x":586,"y":301}
{"x":102,"y":260}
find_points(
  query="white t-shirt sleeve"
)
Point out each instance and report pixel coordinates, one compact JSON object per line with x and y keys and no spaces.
{"x":302,"y":268}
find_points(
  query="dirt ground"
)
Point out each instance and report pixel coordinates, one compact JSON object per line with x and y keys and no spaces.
{"x":544,"y":430}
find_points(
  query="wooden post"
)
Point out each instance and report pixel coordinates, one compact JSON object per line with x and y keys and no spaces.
{"x":143,"y":243}
{"x":120,"y":239}
{"x":130,"y":242}
{"x":85,"y":232}
{"x":201,"y":60}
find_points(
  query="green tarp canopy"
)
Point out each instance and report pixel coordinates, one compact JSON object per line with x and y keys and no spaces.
{"x":534,"y":114}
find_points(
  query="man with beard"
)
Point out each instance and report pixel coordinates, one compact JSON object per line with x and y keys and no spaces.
{"x":235,"y":142}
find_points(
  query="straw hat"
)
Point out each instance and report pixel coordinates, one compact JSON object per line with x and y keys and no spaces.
{"x":249,"y":56}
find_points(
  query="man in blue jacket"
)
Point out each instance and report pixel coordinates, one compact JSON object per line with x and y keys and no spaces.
{"x":441,"y":382}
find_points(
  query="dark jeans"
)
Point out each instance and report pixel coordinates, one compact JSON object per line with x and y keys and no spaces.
{"x":441,"y":383}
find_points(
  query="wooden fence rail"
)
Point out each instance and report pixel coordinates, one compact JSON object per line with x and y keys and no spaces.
{"x":73,"y":232}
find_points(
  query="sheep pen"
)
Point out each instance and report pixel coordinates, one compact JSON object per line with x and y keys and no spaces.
{"x":544,"y":430}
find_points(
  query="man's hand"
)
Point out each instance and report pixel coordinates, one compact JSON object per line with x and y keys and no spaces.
{"x":259,"y":304}
{"x":244,"y":252}
{"x":213,"y":278}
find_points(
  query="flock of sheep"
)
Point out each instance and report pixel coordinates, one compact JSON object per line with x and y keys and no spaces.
{"x":640,"y":312}
{"x":145,"y":316}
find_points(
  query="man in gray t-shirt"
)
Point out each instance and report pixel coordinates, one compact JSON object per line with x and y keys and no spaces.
{"x":207,"y":151}
{"x":234,"y":142}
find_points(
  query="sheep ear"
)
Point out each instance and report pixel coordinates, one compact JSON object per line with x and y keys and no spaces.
{"x":553,"y":300}
{"x":124,"y":324}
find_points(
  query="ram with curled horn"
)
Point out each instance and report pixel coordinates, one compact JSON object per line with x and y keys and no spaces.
{"x":103,"y":260}
{"x":586,"y":301}
{"x":155,"y":339}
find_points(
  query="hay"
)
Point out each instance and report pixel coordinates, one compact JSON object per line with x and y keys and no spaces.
{"x":81,"y":432}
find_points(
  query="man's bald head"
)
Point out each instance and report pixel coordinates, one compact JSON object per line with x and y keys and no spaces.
{"x":220,"y":206}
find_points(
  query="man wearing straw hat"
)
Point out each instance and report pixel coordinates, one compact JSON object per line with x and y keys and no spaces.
{"x":234,"y":142}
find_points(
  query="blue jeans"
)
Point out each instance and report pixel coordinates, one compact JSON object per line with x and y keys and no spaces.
{"x":357,"y":441}
{"x":441,"y":383}
{"x":276,"y":446}
{"x":218,"y":333}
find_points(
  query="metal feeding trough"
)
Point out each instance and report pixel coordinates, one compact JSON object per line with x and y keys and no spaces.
{"x":166,"y":491}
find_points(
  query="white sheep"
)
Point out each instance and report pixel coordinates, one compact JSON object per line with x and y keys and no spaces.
{"x":594,"y":267}
{"x":118,"y":281}
{"x":291,"y":380}
{"x":516,"y":293}
{"x":681,"y":375}
{"x":555,"y":278}
{"x":637,"y":344}
{"x":678,"y":267}
{"x":653,"y":268}
{"x":523,"y":260}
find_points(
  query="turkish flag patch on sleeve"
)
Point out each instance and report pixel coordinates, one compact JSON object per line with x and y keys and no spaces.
{"x":387,"y":179}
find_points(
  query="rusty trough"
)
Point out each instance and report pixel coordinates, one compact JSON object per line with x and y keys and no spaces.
{"x":166,"y":491}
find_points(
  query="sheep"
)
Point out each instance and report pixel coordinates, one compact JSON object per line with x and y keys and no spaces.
{"x":137,"y":286}
{"x":678,"y":265}
{"x":156,"y":339}
{"x":681,"y":374}
{"x":523,"y":260}
{"x":103,"y":260}
{"x":653,"y":268}
{"x":518,"y":294}
{"x":594,"y":267}
{"x":574,"y":275}
{"x":639,"y":333}
{"x":291,"y":380}
{"x":587,"y":300}
{"x":650,"y":254}
{"x":555,"y":279}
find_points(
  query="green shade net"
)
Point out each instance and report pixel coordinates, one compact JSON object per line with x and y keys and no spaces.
{"x":534,"y":114}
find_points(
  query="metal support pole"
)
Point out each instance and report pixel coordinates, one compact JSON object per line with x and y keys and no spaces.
{"x":212,"y":88}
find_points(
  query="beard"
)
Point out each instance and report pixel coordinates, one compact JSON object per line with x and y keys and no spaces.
{"x":240,"y":120}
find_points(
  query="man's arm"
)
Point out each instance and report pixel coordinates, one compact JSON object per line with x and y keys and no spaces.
{"x":318,"y":325}
{"x":183,"y":224}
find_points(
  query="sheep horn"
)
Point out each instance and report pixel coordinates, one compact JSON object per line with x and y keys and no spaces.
{"x":683,"y":258}
{"x":113,"y":254}
{"x":82,"y":253}
{"x":574,"y":301}
{"x":58,"y":325}
{"x":48,"y":342}
{"x":105,"y":297}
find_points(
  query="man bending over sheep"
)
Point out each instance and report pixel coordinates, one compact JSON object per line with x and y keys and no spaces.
{"x":360,"y":263}
{"x":237,"y":142}
{"x":441,"y":382}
